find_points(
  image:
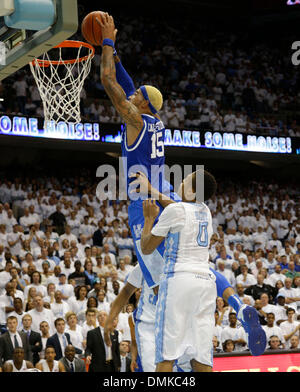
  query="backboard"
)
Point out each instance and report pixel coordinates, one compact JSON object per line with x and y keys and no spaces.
{"x":22,"y":46}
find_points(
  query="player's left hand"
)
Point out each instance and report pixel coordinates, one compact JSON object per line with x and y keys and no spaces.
{"x":150,"y":209}
{"x":107,"y":26}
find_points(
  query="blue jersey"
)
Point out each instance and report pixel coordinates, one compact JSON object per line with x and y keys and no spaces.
{"x":146,"y":154}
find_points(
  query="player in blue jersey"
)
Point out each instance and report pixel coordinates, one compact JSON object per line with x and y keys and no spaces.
{"x":142,"y":140}
{"x":143,"y":147}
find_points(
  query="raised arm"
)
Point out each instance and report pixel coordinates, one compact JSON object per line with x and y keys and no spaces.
{"x":125,"y":108}
{"x":123,"y":77}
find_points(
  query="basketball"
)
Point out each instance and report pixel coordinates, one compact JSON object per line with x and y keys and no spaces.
{"x":90,"y":28}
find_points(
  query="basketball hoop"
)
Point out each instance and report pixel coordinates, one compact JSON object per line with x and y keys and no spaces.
{"x":60,"y":81}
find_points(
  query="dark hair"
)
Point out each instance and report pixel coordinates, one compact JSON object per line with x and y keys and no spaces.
{"x":77,"y":290}
{"x":88,"y":302}
{"x":290,"y":310}
{"x":49,"y":347}
{"x":35,"y":272}
{"x":226,"y":342}
{"x":274,"y":336}
{"x":210,"y":184}
{"x":58,"y":319}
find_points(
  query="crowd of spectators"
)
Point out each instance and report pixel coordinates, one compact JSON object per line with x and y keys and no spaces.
{"x":64,"y":257}
{"x":210,"y":79}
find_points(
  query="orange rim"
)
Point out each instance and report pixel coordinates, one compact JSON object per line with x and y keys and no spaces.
{"x":67,"y":44}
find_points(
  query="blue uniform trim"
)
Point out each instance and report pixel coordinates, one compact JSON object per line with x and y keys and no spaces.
{"x":137,"y":316}
{"x":146,"y":273}
{"x":138,"y":139}
{"x":140,"y":304}
{"x":160,"y":321}
{"x":172,"y":242}
{"x":221,"y":283}
{"x":179,"y":369}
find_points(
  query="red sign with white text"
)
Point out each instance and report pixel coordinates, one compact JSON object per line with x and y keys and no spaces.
{"x":263,"y":363}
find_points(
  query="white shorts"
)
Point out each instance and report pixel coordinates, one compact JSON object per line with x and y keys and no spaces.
{"x":185,"y":317}
{"x":145,"y":340}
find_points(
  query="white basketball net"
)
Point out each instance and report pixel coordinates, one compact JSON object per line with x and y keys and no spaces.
{"x":60,"y":85}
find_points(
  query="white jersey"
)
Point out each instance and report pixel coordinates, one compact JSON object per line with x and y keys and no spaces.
{"x":15,"y":370}
{"x":147,"y":303}
{"x":188,"y":229}
{"x":45,"y":366}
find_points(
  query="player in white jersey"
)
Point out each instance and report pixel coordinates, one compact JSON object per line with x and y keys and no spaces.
{"x":17,"y":364}
{"x":49,"y":364}
{"x":187,"y":294}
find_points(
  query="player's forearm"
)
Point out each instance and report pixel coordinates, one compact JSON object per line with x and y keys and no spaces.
{"x":108,"y":70}
{"x":120,"y":301}
{"x":146,"y":236}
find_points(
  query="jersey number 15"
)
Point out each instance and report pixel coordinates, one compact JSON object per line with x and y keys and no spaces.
{"x":157,"y":145}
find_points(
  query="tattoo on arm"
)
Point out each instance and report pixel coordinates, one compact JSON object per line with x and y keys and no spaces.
{"x":115,"y":92}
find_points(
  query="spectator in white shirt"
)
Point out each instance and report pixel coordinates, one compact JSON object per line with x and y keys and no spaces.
{"x":66,"y":289}
{"x":68,"y":235}
{"x":14,"y":240}
{"x":236,"y":334}
{"x":259,"y":239}
{"x":290,"y":327}
{"x":268,"y":308}
{"x":122,"y":271}
{"x":275,"y":276}
{"x":230,"y":218}
{"x":87,"y":230}
{"x":10,"y":221}
{"x":274,"y":242}
{"x":36,"y":279}
{"x":291,"y":294}
{"x":5,"y":276}
{"x":272,"y":329}
{"x":227,"y":273}
{"x":44,"y":257}
{"x":106,"y":252}
{"x":39,"y":314}
{"x":59,"y":307}
{"x":245,"y":278}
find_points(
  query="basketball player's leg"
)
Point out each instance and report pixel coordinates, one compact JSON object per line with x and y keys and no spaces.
{"x":200,"y":367}
{"x":145,"y":339}
{"x":246,"y":314}
{"x":165,"y":366}
{"x":203,"y":325}
{"x":172,"y":321}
